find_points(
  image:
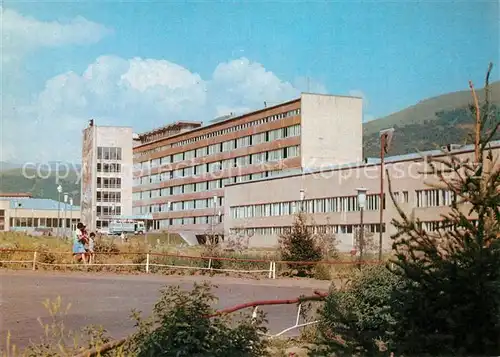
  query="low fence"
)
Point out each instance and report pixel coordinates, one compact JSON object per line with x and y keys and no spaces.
{"x":318,"y":296}
{"x":153,"y":262}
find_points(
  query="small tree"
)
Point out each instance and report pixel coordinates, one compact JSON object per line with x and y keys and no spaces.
{"x":450,"y":304}
{"x":299,"y":245}
{"x":181,"y":326}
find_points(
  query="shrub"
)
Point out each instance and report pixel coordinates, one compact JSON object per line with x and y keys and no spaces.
{"x":104,"y":246}
{"x":299,"y":245}
{"x":358,"y":320}
{"x":180,"y":326}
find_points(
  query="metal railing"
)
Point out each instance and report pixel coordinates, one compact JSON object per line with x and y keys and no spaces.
{"x":318,"y":296}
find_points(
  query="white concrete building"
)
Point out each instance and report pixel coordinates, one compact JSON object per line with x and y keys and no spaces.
{"x":106,"y":174}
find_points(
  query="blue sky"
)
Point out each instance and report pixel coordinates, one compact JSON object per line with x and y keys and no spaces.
{"x":394,"y":53}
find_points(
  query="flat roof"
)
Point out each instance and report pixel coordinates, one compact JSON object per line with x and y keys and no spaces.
{"x":38,"y":204}
{"x":15,"y":194}
{"x":208,"y":126}
{"x":370,"y":162}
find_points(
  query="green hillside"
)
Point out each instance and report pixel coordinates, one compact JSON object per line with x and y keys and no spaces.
{"x":429,"y":124}
{"x":41,"y":185}
{"x":425,"y":110}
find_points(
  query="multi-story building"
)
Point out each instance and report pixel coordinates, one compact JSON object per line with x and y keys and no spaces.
{"x":262,"y":210}
{"x":181,"y":169}
{"x":106,"y":174}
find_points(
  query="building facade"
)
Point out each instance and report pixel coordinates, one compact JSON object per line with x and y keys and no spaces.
{"x":106,"y":174}
{"x":262,"y":210}
{"x":22,"y":212}
{"x":181,"y":170}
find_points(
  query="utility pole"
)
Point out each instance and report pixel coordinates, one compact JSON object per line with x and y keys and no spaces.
{"x":385,"y":141}
{"x":59,"y":191}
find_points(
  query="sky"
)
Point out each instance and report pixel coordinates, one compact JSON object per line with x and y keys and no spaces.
{"x":146,"y":64}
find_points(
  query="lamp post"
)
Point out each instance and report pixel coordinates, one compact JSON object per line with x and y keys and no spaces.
{"x":168,"y":230}
{"x":59,"y":191}
{"x":215,"y":213}
{"x":65,"y":196}
{"x":70,"y":215}
{"x":302,"y":196}
{"x":361,"y":203}
{"x":385,"y":142}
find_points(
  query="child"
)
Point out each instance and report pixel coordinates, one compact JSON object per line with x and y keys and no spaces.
{"x":90,"y":247}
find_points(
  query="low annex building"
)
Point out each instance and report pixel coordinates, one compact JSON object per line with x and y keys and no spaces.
{"x":21,"y":212}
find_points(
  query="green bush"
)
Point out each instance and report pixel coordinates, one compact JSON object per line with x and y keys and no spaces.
{"x":358,"y":320}
{"x":179,"y":326}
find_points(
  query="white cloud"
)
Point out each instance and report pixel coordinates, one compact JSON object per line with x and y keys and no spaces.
{"x":143,"y":93}
{"x":24,"y":34}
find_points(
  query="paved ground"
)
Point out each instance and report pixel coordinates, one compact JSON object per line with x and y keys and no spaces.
{"x":108,"y":299}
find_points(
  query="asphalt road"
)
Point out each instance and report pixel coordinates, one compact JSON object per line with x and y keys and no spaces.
{"x":108,"y":299}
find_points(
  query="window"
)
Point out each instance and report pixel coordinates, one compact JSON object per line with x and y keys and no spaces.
{"x":243,"y":142}
{"x":104,"y":167}
{"x":258,"y":158}
{"x":292,"y":151}
{"x":201,"y":186}
{"x":178,"y":157}
{"x":200,"y":152}
{"x":275,"y":134}
{"x":215,"y":184}
{"x":214,"y":149}
{"x":258,"y":138}
{"x":243,"y":161}
{"x":293,"y":130}
{"x":228,"y":145}
{"x":188,"y":155}
{"x":111,"y":182}
{"x":109,"y":153}
{"x":200,"y":169}
{"x":275,"y":155}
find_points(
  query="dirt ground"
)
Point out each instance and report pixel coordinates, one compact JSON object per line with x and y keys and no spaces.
{"x":107,"y":299}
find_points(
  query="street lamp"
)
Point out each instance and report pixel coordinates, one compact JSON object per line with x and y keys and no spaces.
{"x":302,"y":196}
{"x":361,"y":203}
{"x":59,"y":190}
{"x":168,"y":216}
{"x":385,"y":142}
{"x":215,"y":213}
{"x":65,"y":214}
{"x":70,"y":215}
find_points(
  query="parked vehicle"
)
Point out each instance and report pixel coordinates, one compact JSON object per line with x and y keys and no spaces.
{"x":117,"y":227}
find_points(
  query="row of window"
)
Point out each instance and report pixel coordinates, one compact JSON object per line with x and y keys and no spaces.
{"x":109,"y":153}
{"x":105,"y":196}
{"x":325,"y":229}
{"x":101,"y":167}
{"x":220,"y":132}
{"x":41,"y":222}
{"x":165,"y":223}
{"x":434,"y":198}
{"x":241,"y":161}
{"x":206,"y":185}
{"x":189,"y":205}
{"x":108,"y":210}
{"x":319,"y":205}
{"x":109,"y":182}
